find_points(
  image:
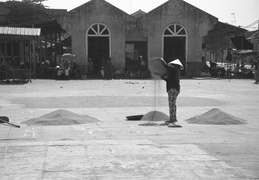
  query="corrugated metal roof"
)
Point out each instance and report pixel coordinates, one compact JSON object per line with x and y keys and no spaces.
{"x":224,"y":30}
{"x":20,"y":31}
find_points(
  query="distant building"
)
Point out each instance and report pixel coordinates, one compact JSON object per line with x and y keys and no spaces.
{"x":99,"y":30}
{"x":18,"y":44}
{"x":173,"y":30}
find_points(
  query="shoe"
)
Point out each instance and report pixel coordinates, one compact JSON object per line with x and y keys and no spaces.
{"x":174,"y":125}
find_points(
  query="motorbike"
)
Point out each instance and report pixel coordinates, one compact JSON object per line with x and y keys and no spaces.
{"x":216,"y":71}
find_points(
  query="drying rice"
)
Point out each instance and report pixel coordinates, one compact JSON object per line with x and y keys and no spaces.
{"x":60,"y":117}
{"x":155,"y":116}
{"x":216,"y":117}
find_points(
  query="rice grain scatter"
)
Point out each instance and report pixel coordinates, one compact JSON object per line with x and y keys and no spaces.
{"x":216,"y":117}
{"x":60,"y":117}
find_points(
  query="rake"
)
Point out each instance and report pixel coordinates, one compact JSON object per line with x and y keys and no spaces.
{"x":4,"y":119}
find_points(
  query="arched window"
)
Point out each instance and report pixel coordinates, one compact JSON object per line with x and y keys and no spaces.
{"x":98,"y":30}
{"x":175,"y":43}
{"x":175,"y":30}
{"x":98,"y":43}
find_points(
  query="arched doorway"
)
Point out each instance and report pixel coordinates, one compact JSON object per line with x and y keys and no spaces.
{"x":174,"y":38}
{"x":98,"y":37}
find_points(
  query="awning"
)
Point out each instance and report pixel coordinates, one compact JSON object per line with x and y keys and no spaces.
{"x":240,"y":42}
{"x":47,"y":26}
{"x":20,"y":31}
{"x":224,"y":30}
{"x":244,"y":52}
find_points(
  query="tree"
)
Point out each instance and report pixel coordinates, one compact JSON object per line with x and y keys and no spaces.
{"x":26,"y":11}
{"x":34,"y":1}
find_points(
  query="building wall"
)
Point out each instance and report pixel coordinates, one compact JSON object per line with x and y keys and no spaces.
{"x":79,"y":20}
{"x":196,"y":22}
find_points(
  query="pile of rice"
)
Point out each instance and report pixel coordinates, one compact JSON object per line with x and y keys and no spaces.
{"x":216,"y":117}
{"x":155,"y":116}
{"x":60,"y":117}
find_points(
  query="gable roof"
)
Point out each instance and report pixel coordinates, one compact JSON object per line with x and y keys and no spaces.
{"x":180,"y":6}
{"x":91,"y":2}
{"x":138,"y":14}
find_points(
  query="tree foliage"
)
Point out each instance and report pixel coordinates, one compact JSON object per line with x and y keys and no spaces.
{"x":26,"y":11}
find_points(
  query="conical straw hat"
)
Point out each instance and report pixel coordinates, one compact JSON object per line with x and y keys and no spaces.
{"x":177,"y":62}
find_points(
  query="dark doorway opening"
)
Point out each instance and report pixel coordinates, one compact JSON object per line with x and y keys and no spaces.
{"x":175,"y":47}
{"x":135,"y":49}
{"x":98,"y":51}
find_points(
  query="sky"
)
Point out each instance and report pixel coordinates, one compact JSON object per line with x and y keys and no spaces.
{"x":236,"y":12}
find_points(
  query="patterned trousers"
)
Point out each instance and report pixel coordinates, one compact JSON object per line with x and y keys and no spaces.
{"x":172,"y":96}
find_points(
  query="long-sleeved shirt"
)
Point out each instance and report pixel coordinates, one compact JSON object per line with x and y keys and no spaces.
{"x":172,"y":78}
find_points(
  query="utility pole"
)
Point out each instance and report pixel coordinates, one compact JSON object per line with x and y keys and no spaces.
{"x":235,"y":22}
{"x":130,"y":6}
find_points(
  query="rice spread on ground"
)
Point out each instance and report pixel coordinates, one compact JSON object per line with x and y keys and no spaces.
{"x":216,"y":117}
{"x":60,"y":117}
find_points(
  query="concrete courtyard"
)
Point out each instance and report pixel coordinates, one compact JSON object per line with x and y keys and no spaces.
{"x":115,"y":148}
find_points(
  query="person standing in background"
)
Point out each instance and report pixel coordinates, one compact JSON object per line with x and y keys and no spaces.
{"x":108,"y":69}
{"x":90,"y":67}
